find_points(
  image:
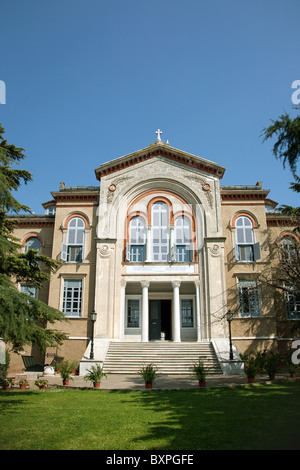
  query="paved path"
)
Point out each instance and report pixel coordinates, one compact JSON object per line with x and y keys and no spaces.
{"x":164,"y":382}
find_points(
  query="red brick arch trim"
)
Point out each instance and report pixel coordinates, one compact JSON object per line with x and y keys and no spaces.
{"x":81,"y":216}
{"x":32,"y":235}
{"x":160,"y":199}
{"x":244,"y":214}
{"x":288,"y":234}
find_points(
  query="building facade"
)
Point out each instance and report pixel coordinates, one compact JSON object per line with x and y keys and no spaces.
{"x":161,"y":250}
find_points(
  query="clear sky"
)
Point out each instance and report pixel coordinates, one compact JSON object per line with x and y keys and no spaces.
{"x":90,"y":81}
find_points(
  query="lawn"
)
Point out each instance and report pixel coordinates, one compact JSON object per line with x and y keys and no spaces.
{"x":250,"y":417}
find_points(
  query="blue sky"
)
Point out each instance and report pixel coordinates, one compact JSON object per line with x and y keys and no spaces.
{"x":87,"y":82}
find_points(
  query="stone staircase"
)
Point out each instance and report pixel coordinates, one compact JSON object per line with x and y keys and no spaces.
{"x":170,"y":358}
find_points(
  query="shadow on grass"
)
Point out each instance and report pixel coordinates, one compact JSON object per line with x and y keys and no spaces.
{"x":15,"y":401}
{"x":251,"y":417}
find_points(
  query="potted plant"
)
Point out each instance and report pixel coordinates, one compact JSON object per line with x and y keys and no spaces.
{"x":23,"y":384}
{"x":291,"y":367}
{"x":58,"y":367}
{"x":65,"y":372}
{"x":272,"y":363}
{"x":41,"y":383}
{"x":74,"y":367}
{"x":149,"y":374}
{"x":251,"y":367}
{"x":6,"y":383}
{"x":199,"y":371}
{"x":95,"y":374}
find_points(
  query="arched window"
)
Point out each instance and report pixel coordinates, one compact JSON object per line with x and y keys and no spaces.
{"x":246,"y":249}
{"x":136,"y":248}
{"x":32,"y":243}
{"x":72,"y":251}
{"x":160,"y":232}
{"x":183,"y":239}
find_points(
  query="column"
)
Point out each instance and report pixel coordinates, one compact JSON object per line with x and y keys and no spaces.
{"x":122,"y":310}
{"x":176,"y":311}
{"x":145,"y":311}
{"x":198,"y":311}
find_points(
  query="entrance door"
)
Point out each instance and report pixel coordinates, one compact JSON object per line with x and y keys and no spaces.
{"x":159,"y":319}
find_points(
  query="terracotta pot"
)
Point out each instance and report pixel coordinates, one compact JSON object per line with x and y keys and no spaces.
{"x":5,"y":387}
{"x":96,"y":384}
{"x":58,"y":371}
{"x":251,"y":380}
{"x":202,"y":384}
{"x":23,"y":387}
{"x":148,"y":384}
{"x":292,"y":375}
{"x":66,"y":382}
{"x":42,"y":387}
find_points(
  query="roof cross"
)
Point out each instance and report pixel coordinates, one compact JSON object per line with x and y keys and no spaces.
{"x":158,"y":132}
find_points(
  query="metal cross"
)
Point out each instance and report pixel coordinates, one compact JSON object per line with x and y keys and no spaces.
{"x":158,"y":132}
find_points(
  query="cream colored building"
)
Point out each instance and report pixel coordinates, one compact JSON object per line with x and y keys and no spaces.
{"x":156,"y":248}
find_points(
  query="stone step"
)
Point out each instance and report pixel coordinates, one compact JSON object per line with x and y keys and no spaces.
{"x":170,"y":358}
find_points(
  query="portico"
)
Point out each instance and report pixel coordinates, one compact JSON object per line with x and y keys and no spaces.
{"x":160,"y":310}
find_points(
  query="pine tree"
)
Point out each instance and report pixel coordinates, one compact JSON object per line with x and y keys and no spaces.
{"x":23,"y":319}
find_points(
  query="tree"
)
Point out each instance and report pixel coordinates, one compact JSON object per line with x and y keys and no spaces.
{"x":287,"y":146}
{"x":23,"y":319}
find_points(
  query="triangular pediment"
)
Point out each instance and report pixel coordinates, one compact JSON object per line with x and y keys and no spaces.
{"x":163,"y":150}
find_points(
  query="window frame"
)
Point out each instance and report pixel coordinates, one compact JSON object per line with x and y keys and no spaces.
{"x":253,"y":299}
{"x":136,"y":250}
{"x":182,"y":249}
{"x":190,"y":298}
{"x":294,"y":301}
{"x":79,"y":309}
{"x":36,"y":239}
{"x":162,"y":257}
{"x":241,"y":247}
{"x":128,"y":299}
{"x":76,"y":247}
{"x":24,"y":287}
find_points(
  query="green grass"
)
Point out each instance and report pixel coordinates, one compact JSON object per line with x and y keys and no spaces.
{"x":250,"y":417}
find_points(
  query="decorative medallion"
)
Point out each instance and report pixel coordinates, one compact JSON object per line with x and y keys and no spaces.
{"x":112,"y":187}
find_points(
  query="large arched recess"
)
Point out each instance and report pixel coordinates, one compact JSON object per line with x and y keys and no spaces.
{"x":159,"y":185}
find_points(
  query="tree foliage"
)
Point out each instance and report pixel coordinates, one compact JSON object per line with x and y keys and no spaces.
{"x":287,"y":146}
{"x":23,"y":319}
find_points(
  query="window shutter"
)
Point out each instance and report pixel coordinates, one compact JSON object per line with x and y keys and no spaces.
{"x":63,"y":255}
{"x":128,"y":257}
{"x":256,"y":251}
{"x":237,"y":252}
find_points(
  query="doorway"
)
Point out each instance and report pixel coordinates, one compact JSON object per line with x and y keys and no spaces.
{"x":160,"y":319}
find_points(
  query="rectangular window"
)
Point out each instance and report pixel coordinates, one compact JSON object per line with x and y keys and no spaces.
{"x":74,"y":254}
{"x":29,"y":290}
{"x":133,"y":313}
{"x":183,"y":253}
{"x":187,"y":316}
{"x":248,"y":253}
{"x":137,"y":253}
{"x":248,"y":297}
{"x":72,"y":298}
{"x":293,"y":305}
